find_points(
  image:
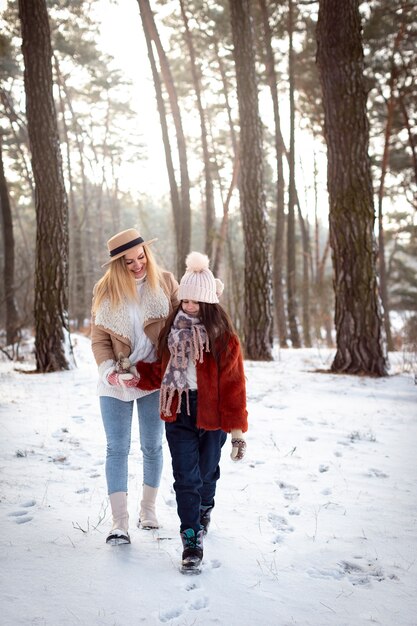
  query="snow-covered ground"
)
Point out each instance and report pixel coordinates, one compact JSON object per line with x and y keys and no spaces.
{"x":316,"y":527}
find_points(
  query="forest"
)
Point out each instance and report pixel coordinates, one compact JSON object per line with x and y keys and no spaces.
{"x":289,"y":135}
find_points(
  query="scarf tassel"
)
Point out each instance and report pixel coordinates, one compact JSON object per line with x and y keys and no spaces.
{"x":166,"y":398}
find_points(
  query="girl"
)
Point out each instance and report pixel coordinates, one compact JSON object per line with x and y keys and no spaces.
{"x":202,"y":398}
{"x":130,"y":305}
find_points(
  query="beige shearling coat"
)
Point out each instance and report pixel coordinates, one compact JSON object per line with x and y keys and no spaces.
{"x":109,"y":328}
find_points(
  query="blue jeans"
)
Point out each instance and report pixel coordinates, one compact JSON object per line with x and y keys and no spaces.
{"x":117,"y":420}
{"x":195,"y":454}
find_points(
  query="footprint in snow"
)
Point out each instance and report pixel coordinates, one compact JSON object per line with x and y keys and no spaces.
{"x":373,"y":472}
{"x":169,"y":615}
{"x":358,"y":575}
{"x":78,"y":418}
{"x":60,"y":434}
{"x":294,"y":511}
{"x":354,"y":573}
{"x":290,"y":492}
{"x":22,"y":517}
{"x":280,"y":524}
{"x":29,"y":503}
{"x":192,"y":586}
{"x":24,"y":520}
{"x":199,"y":603}
{"x":306,"y":420}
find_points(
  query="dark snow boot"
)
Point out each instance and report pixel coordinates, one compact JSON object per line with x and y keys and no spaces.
{"x":193,"y":551}
{"x":205,"y":514}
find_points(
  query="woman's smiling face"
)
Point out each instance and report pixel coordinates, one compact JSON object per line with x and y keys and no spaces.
{"x":136,"y":261}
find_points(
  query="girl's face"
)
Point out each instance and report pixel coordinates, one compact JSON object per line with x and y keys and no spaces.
{"x":136,"y":261}
{"x":191,"y":307}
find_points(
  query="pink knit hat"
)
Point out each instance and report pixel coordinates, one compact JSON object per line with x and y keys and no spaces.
{"x":198,"y":282}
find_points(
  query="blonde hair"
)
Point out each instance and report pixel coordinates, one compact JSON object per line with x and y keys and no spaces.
{"x":118,"y":283}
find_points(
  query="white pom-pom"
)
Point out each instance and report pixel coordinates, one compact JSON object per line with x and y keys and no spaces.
{"x":196,"y":262}
{"x":219,"y":287}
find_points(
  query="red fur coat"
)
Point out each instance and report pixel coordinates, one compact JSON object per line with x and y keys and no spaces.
{"x":221,"y":388}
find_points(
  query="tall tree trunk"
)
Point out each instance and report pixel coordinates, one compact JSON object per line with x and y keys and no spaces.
{"x":291,"y":257}
{"x":226,"y":97}
{"x":51,"y":288}
{"x":410,"y":133}
{"x":185,"y":222}
{"x":85,"y":232}
{"x":223,"y":234}
{"x":77,"y":290}
{"x":358,"y":313}
{"x":381,"y":233}
{"x":324,"y":317}
{"x":209,"y":199}
{"x":258,"y":279}
{"x":174,"y":191}
{"x":384,"y":168}
{"x":278,"y":269}
{"x":305,"y":292}
{"x":12,"y":314}
{"x":223,"y":230}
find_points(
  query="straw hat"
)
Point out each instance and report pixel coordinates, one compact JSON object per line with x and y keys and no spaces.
{"x":119,"y":244}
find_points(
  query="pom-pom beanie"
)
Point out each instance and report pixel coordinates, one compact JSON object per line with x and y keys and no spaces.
{"x":198,"y":282}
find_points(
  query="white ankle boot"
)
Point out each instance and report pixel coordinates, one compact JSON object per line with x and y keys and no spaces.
{"x":119,"y":532}
{"x":147,"y":516}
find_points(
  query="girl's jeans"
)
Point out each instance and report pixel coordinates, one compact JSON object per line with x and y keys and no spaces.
{"x":117,"y":420}
{"x":195,"y":456}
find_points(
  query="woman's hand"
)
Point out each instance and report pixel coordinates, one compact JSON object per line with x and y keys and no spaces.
{"x":122,"y":379}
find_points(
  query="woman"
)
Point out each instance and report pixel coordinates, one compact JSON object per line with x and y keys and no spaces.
{"x":130,"y":305}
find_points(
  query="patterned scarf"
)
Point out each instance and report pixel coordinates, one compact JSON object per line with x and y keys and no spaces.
{"x":187,"y":340}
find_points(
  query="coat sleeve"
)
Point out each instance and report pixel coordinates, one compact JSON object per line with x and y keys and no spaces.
{"x":101,"y":344}
{"x":232,"y":388}
{"x":149,"y":375}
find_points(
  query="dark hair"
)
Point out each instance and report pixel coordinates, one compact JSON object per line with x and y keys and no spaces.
{"x":216,"y":322}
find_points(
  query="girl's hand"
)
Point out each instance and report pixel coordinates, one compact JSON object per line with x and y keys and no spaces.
{"x":238,"y":445}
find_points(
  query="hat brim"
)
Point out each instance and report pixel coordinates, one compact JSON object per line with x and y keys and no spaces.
{"x":117,"y":256}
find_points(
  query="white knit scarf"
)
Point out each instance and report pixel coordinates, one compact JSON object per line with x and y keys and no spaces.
{"x":187,"y":340}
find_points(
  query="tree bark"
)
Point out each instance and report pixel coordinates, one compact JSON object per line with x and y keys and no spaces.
{"x":12,"y":314}
{"x":223,"y":230}
{"x":184,"y":224}
{"x":209,"y":196}
{"x":384,"y":167}
{"x":305,"y":291}
{"x":51,"y":271}
{"x":291,"y":257}
{"x":174,"y":191}
{"x":278,"y":256}
{"x":258,"y":337}
{"x":358,"y":316}
{"x":77,"y":288}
